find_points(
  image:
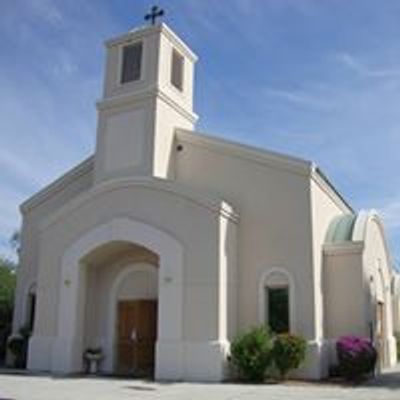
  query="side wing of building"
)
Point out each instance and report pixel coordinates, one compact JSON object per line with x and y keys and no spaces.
{"x":34,"y":212}
{"x":271,"y":194}
{"x":285,"y":206}
{"x":326,"y":205}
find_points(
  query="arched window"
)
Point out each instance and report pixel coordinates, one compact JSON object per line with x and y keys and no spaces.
{"x":275,"y":297}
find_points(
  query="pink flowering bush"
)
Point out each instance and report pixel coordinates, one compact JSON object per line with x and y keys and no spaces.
{"x":356,"y":356}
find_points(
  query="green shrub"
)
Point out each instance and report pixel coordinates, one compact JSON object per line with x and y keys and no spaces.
{"x":251,"y":354}
{"x":18,"y":345}
{"x":288,"y":353}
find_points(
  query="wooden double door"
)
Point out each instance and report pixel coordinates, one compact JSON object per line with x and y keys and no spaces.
{"x":137,"y":334}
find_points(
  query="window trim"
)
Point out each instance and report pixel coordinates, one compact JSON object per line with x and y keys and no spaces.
{"x":121,"y":60}
{"x":263,"y":284}
{"x":268,"y":289}
{"x":176,"y":88}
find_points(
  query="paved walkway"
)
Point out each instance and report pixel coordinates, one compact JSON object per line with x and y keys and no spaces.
{"x":19,"y":387}
{"x":390,"y":379}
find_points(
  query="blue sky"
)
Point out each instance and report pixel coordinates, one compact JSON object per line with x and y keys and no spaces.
{"x":317,"y":79}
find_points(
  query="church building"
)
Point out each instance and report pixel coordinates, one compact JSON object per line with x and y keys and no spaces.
{"x":166,"y":243}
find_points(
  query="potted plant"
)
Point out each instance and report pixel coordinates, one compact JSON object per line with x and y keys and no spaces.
{"x":93,"y":357}
{"x":18,"y":345}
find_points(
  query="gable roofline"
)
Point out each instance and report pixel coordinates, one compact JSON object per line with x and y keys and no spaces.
{"x":325,"y":183}
{"x":247,"y":152}
{"x":60,"y":183}
{"x":273,"y":159}
{"x":208,"y":201}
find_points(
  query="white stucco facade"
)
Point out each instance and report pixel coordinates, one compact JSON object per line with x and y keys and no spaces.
{"x":200,"y":225}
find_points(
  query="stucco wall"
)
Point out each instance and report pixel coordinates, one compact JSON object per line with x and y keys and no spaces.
{"x":358,"y":276}
{"x":167,"y":119}
{"x":158,"y":42}
{"x":344,"y":292}
{"x":275,"y":221}
{"x":376,"y":263}
{"x":168,"y":42}
{"x":324,"y":210}
{"x":112,"y":77}
{"x":195,"y":226}
{"x":396,"y":303}
{"x":32,"y":217}
{"x":137,"y":119}
{"x":125,"y":141}
{"x":377,"y":278}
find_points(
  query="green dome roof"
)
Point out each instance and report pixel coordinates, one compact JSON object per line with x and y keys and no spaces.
{"x":341,"y":229}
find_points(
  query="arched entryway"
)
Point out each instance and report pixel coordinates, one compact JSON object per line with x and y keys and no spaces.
{"x":89,"y":308}
{"x":120,"y":314}
{"x":194,"y":237}
{"x":132,"y":319}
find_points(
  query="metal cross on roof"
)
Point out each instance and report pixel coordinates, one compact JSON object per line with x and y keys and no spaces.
{"x":155,"y":13}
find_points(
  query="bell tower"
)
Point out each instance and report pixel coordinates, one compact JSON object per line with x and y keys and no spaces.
{"x":148,"y":92}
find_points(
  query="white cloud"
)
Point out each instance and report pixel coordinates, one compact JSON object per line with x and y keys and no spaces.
{"x":301,"y":136}
{"x":65,"y":65}
{"x":355,"y":64}
{"x":391,"y":213}
{"x":19,"y":168}
{"x":47,"y":10}
{"x":300,"y":98}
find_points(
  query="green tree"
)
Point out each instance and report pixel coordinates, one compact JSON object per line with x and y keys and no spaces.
{"x":15,"y":241}
{"x":7,"y":285}
{"x":7,"y":289}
